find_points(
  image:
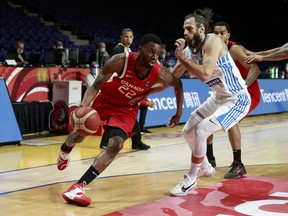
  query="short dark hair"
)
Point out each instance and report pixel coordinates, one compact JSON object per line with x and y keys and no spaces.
{"x":222,"y":23}
{"x":126,"y":30}
{"x":150,"y":38}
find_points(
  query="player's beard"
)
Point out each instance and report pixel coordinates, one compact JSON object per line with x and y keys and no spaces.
{"x":195,"y":41}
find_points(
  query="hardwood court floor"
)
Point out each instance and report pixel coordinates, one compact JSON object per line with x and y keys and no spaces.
{"x":31,"y":184}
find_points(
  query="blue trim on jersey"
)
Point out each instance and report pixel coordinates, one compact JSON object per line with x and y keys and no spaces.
{"x":233,"y":114}
{"x":231,"y":80}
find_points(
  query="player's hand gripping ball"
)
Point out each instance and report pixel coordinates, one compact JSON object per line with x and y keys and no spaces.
{"x":84,"y":120}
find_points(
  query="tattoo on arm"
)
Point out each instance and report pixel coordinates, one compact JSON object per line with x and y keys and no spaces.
{"x":279,"y":55}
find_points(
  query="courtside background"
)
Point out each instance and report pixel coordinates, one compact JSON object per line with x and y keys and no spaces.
{"x":274,"y":99}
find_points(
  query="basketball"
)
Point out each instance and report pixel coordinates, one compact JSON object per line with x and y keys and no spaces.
{"x":85,"y":121}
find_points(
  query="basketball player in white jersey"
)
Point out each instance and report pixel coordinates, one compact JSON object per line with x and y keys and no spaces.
{"x":207,"y":58}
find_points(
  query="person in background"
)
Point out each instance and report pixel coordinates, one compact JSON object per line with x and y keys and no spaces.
{"x":58,"y":44}
{"x":17,"y":53}
{"x":250,"y":73}
{"x":162,"y":57}
{"x":60,"y":53}
{"x":126,"y":40}
{"x":275,"y":54}
{"x":166,"y":59}
{"x":115,"y":107}
{"x":100,"y":56}
{"x":170,"y":60}
{"x":90,"y":78}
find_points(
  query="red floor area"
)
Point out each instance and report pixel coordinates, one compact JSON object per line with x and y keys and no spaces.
{"x":254,"y":196}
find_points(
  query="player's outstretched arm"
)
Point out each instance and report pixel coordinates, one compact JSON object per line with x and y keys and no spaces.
{"x":275,"y":54}
{"x":166,"y":79}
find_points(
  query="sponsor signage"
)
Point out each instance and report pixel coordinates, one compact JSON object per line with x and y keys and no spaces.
{"x":274,"y":99}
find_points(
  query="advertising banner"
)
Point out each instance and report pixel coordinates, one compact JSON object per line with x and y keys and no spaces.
{"x":274,"y":99}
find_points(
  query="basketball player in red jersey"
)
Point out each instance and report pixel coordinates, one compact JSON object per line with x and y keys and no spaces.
{"x":125,"y":76}
{"x":250,"y":73}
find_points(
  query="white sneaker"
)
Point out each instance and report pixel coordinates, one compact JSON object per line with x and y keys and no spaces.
{"x":210,"y":171}
{"x":184,"y":186}
{"x":75,"y":195}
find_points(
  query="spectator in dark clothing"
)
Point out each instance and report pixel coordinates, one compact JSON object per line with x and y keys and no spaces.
{"x":17,"y":54}
{"x":100,"y":56}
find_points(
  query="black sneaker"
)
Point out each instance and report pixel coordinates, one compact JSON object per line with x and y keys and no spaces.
{"x":145,"y":130}
{"x":140,"y":146}
{"x":212,"y":161}
{"x":103,"y":145}
{"x":237,"y":170}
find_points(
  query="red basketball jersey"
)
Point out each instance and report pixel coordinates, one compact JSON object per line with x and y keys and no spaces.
{"x":112,"y":103}
{"x":253,"y":89}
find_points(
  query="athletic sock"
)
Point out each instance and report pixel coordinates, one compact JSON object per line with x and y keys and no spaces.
{"x":205,"y":164}
{"x":237,"y":155}
{"x":209,"y":151}
{"x":89,"y":176}
{"x":67,"y":149}
{"x":194,"y":169}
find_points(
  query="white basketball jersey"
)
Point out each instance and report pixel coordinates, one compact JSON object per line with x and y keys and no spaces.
{"x":226,"y":79}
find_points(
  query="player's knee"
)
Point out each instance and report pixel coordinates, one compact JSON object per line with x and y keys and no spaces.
{"x":207,"y":127}
{"x":115,"y":145}
{"x":186,"y":133}
{"x":201,"y":130}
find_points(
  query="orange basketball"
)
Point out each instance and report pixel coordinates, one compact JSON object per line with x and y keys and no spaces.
{"x":84,"y":120}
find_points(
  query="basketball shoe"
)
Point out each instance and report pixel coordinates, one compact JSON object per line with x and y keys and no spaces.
{"x":237,"y":170}
{"x":76,"y":195}
{"x":103,"y":145}
{"x":210,"y":171}
{"x":63,"y":160}
{"x":140,"y":146}
{"x":184,"y":186}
